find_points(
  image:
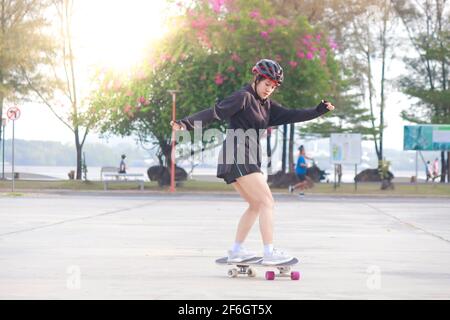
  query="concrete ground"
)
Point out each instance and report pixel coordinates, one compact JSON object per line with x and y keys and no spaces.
{"x":161,"y":246}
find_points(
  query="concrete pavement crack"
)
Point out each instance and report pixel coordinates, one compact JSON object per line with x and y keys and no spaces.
{"x":77,"y":219}
{"x":408,"y":223}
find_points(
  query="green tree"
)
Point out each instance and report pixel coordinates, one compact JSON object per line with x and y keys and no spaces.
{"x":427,"y":25}
{"x":24,"y":48}
{"x":65,"y":100}
{"x":207,"y":55}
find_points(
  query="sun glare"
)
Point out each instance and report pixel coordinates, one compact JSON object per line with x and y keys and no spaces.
{"x":115,"y":33}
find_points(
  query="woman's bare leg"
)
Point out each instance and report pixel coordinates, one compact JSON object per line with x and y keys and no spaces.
{"x":258,"y":193}
{"x":248,"y":218}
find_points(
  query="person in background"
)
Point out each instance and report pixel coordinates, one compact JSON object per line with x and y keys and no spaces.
{"x":300,"y":171}
{"x":123,"y":166}
{"x":435,"y":169}
{"x":339,"y":172}
{"x":428,"y":170}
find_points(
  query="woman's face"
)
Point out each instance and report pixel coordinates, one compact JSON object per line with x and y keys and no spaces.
{"x":265,"y":88}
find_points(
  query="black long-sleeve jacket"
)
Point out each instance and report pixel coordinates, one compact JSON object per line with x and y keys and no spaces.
{"x":245,"y":110}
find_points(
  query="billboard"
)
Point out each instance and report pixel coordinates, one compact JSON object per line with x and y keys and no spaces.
{"x":426,"y":137}
{"x":345,"y":148}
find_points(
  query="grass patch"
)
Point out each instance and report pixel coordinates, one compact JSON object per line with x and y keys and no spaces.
{"x":13,"y":194}
{"x":401,"y":189}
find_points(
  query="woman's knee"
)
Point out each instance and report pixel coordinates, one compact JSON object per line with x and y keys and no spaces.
{"x":265,"y":203}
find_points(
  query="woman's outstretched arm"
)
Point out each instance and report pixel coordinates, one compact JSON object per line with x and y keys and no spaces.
{"x":280,"y":115}
{"x":221,"y":111}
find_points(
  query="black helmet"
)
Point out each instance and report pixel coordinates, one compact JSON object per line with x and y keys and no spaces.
{"x":269,"y":69}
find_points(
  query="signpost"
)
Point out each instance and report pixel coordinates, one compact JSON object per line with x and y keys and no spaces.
{"x":172,"y":167}
{"x":13,"y":114}
{"x":3,"y":147}
{"x":431,"y":137}
{"x":345,"y":148}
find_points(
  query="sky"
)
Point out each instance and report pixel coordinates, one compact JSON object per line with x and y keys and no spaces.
{"x":114,"y":33}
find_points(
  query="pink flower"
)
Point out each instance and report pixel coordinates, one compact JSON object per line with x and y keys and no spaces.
{"x":264,"y":35}
{"x":165,"y":57}
{"x":142,"y":101}
{"x":308,"y":36}
{"x":203,"y":37}
{"x":235,"y":57}
{"x":271,"y":22}
{"x":127,"y":108}
{"x":323,"y":51}
{"x":333,"y":45}
{"x":201,"y":23}
{"x":293,"y":64}
{"x":284,"y":22}
{"x":318,"y":37}
{"x":309,"y":55}
{"x":129,"y":93}
{"x":231,"y":69}
{"x":300,"y":54}
{"x":255,"y":14}
{"x":305,"y":42}
{"x":218,"y":79}
{"x":217,"y":4}
{"x":117,"y":85}
{"x":140,"y":75}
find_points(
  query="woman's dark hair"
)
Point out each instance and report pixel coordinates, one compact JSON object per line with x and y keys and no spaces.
{"x":258,"y":78}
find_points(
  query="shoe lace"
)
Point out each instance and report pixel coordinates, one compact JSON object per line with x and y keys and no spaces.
{"x":278,"y":252}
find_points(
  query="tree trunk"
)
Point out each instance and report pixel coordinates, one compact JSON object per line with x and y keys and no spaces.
{"x":79,"y":149}
{"x":383,"y":76}
{"x":269,"y":151}
{"x":371,"y":94}
{"x":448,"y":166}
{"x":283,"y":157}
{"x":291,"y":147}
{"x":1,"y":113}
{"x":443,"y":167}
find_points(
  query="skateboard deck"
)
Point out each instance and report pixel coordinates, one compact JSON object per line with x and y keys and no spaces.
{"x":248,"y":267}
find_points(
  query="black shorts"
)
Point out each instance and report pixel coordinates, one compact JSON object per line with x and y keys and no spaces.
{"x":301,"y":177}
{"x":239,"y":170}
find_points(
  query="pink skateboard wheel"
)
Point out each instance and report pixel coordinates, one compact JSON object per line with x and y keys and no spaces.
{"x":295,"y":275}
{"x":270,"y":275}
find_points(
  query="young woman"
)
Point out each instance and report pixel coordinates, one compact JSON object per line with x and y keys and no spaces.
{"x":250,"y":109}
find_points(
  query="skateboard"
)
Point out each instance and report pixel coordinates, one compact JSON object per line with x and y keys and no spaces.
{"x":248,"y":267}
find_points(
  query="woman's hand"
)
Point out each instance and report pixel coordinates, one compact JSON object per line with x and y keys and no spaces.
{"x":175,"y":126}
{"x":328,"y":105}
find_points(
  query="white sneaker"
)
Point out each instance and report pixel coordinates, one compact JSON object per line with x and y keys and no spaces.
{"x":277,"y":257}
{"x":291,"y":189}
{"x":240,"y":256}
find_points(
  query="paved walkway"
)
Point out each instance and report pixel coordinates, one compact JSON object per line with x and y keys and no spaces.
{"x":163,"y":247}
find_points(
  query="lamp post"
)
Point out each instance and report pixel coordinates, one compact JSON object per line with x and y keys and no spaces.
{"x":3,"y":147}
{"x":13,"y":114}
{"x":172,"y":167}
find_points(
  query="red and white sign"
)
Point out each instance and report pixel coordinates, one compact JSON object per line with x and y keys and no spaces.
{"x":13,"y":113}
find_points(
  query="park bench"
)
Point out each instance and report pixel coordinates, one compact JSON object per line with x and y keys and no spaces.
{"x":110,"y":175}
